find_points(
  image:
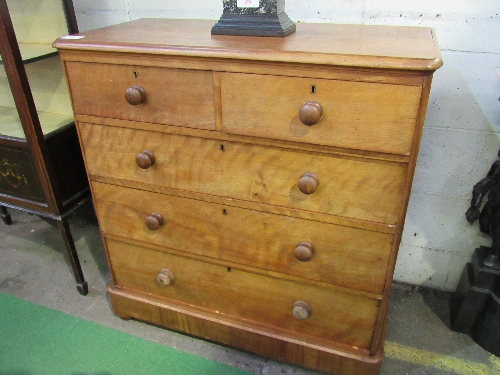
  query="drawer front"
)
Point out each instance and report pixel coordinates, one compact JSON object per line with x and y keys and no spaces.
{"x":344,"y":256}
{"x":356,"y":115}
{"x":349,"y":187}
{"x":334,"y":315}
{"x":171,"y":96}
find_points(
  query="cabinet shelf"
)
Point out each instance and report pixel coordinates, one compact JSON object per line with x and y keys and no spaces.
{"x":31,"y":52}
{"x":49,"y":92}
{"x":11,"y":124}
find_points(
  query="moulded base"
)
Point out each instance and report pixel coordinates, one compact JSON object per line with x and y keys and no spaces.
{"x":240,"y":334}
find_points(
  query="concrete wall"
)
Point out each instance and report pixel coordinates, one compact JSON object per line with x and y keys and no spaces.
{"x":461,"y":135}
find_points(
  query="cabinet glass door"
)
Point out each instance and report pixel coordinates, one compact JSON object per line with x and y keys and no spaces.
{"x":10,"y":124}
{"x":37,"y":23}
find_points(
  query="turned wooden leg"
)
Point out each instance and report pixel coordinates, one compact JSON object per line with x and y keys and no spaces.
{"x":81,"y":284}
{"x":5,"y":215}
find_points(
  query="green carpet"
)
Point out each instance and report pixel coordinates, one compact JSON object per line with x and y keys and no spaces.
{"x":35,"y":340}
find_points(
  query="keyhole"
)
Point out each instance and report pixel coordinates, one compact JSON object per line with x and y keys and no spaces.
{"x":136,"y":74}
{"x":224,"y":212}
{"x":222,"y":147}
{"x":313,"y":89}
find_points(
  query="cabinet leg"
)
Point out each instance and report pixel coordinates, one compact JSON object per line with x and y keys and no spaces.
{"x":81,"y":284}
{"x":5,"y":215}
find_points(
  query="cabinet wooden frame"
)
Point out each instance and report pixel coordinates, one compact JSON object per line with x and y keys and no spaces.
{"x":57,"y":183}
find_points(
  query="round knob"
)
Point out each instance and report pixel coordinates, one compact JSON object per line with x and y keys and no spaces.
{"x":154,"y":221}
{"x":165,"y":277}
{"x":301,"y":310}
{"x":304,"y":251}
{"x":135,"y":95}
{"x":308,"y":183}
{"x":145,"y":159}
{"x":310,"y":113}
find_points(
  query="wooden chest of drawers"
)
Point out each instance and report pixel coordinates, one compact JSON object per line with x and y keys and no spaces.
{"x":252,"y":191}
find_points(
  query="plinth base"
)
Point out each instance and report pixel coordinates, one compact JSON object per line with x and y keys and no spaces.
{"x":487,"y":331}
{"x":475,"y":307}
{"x":277,"y":25}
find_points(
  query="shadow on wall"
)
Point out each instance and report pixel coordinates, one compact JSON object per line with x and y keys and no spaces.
{"x":459,"y":143}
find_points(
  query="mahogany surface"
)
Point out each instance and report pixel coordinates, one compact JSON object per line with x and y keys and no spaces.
{"x":254,"y":193}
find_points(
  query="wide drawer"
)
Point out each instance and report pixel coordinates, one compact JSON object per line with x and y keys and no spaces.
{"x":344,"y":256}
{"x":171,"y":96}
{"x":229,"y":292}
{"x":356,"y":188}
{"x":357,"y":115}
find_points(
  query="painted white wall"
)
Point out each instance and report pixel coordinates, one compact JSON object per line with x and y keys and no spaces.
{"x":462,"y":132}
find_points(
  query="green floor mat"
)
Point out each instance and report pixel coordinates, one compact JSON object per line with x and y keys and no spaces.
{"x":35,"y":340}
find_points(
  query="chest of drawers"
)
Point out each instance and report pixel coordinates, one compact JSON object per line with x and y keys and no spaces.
{"x":252,"y":191}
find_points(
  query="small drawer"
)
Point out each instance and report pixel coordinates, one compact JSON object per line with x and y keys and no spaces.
{"x":137,"y":93}
{"x":330,"y":314}
{"x":355,"y":188}
{"x":344,"y":256}
{"x":356,"y":115}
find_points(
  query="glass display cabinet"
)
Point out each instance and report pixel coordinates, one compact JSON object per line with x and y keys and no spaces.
{"x":41,"y":166}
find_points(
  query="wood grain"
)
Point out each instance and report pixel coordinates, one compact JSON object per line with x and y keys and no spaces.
{"x":174,"y":97}
{"x":350,"y":187}
{"x":283,"y":211}
{"x":248,"y":237}
{"x":220,"y":136}
{"x":335,"y":316}
{"x":359,"y":115}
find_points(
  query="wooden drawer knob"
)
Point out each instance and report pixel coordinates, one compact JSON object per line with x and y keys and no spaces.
{"x":308,"y":183}
{"x":145,"y":159}
{"x":135,"y":95}
{"x":165,"y":277}
{"x":304,"y":251}
{"x":310,"y":113}
{"x":301,"y":310}
{"x":154,"y":221}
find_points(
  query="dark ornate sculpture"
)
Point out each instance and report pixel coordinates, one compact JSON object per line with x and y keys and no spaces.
{"x":489,"y":216}
{"x":475,"y":306}
{"x":254,"y":18}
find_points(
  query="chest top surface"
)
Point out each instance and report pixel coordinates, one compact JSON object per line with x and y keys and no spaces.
{"x":365,"y":46}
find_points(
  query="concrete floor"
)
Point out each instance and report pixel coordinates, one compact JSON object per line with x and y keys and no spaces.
{"x":33,"y":266}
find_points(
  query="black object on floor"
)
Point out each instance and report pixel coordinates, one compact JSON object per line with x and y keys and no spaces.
{"x":475,"y":307}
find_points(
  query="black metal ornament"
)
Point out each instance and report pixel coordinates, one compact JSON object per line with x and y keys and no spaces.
{"x":489,"y":215}
{"x":475,"y":305}
{"x":254,"y":18}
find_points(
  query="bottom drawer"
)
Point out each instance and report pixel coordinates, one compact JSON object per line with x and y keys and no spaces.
{"x":334,"y":315}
